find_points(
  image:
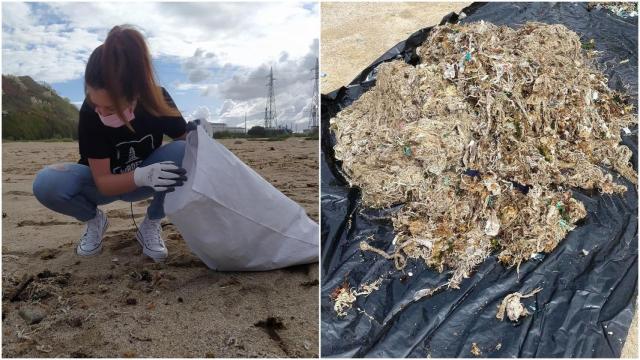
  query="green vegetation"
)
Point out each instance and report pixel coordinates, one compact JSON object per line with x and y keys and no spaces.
{"x":590,"y":45}
{"x":260,"y":131}
{"x":278,"y":137}
{"x":314,"y":135}
{"x":229,"y":135}
{"x":34,"y":111}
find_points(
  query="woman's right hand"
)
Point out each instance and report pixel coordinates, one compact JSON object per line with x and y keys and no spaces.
{"x":162,"y":176}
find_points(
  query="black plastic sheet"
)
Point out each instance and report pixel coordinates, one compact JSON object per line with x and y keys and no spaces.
{"x":589,"y":282}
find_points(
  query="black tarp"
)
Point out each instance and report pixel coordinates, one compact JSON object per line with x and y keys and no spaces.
{"x":587,"y":301}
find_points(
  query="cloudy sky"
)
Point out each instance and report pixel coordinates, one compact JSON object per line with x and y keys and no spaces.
{"x":213,"y":58}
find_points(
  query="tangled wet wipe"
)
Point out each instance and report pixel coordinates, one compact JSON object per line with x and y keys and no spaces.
{"x":482,"y":142}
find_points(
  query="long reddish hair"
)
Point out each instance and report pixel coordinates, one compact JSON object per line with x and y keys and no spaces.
{"x":122,"y":66}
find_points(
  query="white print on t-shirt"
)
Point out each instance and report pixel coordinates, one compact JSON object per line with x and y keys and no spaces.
{"x":127,"y":158}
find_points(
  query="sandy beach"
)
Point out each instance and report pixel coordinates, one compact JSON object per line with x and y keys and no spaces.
{"x":119,"y":304}
{"x":355,"y":34}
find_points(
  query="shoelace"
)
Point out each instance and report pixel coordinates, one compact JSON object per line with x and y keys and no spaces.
{"x":92,"y":229}
{"x":151,"y":231}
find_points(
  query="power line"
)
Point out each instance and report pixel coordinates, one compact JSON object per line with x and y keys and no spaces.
{"x":270,"y":114}
{"x":313,"y":113}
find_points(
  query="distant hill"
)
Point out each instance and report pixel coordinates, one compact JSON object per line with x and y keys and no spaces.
{"x":34,"y":111}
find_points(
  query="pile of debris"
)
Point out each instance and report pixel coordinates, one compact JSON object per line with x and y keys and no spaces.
{"x":344,"y":296}
{"x":44,"y":285}
{"x":482,"y":142}
{"x":620,"y":8}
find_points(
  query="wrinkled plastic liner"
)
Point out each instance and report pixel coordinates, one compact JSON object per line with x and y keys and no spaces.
{"x":589,"y":283}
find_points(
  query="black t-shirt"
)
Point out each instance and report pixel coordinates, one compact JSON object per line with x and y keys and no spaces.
{"x":125,"y":148}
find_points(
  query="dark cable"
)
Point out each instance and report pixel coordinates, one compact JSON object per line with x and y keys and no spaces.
{"x":134,"y":220}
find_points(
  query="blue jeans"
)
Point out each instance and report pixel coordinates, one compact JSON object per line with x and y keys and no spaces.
{"x":69,"y":188}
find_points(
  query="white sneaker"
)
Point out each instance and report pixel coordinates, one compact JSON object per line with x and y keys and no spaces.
{"x":149,"y":237}
{"x":91,"y":242}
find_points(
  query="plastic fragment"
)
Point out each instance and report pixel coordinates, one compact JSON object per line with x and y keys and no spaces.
{"x":475,"y":350}
{"x":512,"y":307}
{"x":344,"y":296}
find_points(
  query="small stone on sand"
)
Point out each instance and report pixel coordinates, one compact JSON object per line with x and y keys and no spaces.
{"x":32,"y":314}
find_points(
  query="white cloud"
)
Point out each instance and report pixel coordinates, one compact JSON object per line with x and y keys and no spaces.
{"x":198,"y":67}
{"x":189,"y":86}
{"x":224,"y":50}
{"x":242,"y":34}
{"x":16,"y":14}
{"x":48,"y":53}
{"x":201,"y":112}
{"x":246,"y":92}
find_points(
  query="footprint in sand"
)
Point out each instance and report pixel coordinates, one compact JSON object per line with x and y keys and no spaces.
{"x":19,"y":193}
{"x":47,"y":254}
{"x":45,"y":223}
{"x":122,"y":214}
{"x":119,"y":240}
